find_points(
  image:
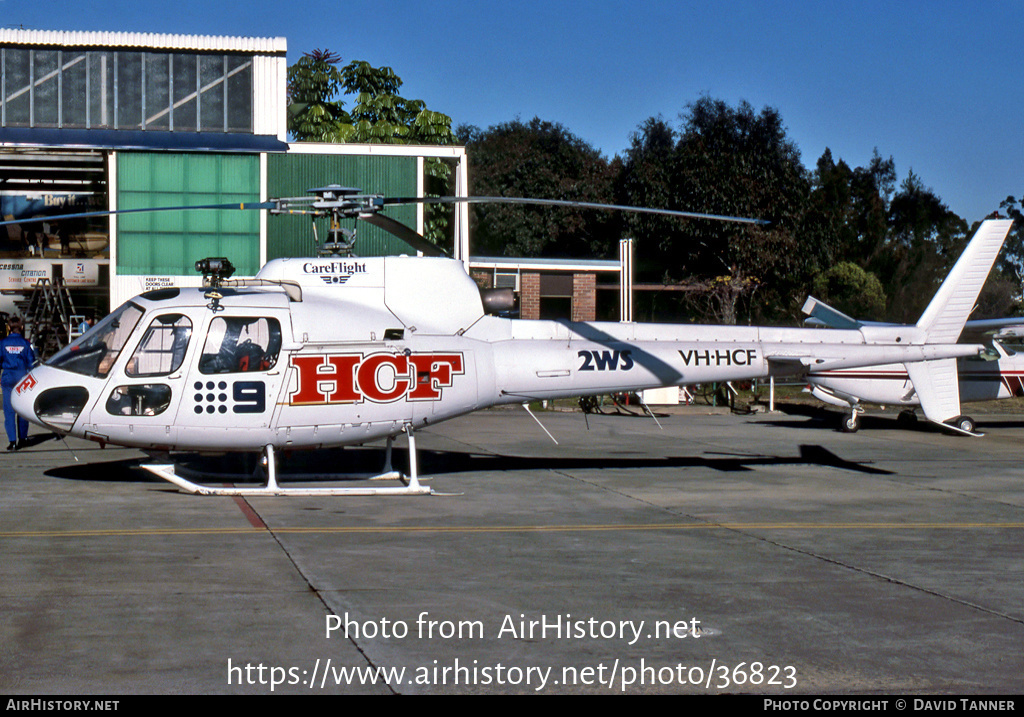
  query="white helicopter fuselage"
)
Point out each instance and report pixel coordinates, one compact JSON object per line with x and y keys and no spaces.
{"x":326,"y":352}
{"x":334,"y":351}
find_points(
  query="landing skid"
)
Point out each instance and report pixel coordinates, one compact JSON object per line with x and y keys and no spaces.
{"x":411,"y":484}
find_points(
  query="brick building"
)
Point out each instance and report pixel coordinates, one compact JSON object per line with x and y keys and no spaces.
{"x":549,"y":288}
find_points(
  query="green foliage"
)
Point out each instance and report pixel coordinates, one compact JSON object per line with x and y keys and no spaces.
{"x":542,"y":160}
{"x":379,"y":115}
{"x":847,"y":212}
{"x":924,"y":240}
{"x":313,"y":83}
{"x":908,"y":238}
{"x":1012,"y":259}
{"x":852,"y":290}
{"x":722,"y":160}
{"x":870,"y":245}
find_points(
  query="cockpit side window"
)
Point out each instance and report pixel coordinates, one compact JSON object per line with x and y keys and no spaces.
{"x":94,"y":353}
{"x":241,"y":344}
{"x":163,"y":347}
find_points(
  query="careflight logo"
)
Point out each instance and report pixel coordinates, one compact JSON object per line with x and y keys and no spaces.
{"x":379,"y":377}
{"x":334,"y":272}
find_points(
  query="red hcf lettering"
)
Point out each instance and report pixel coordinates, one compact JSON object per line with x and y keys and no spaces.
{"x":380,"y":378}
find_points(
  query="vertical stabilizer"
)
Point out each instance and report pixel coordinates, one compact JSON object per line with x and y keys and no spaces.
{"x":944,"y":319}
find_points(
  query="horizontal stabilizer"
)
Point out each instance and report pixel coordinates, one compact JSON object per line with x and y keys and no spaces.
{"x":825,"y":315}
{"x":938,"y":388}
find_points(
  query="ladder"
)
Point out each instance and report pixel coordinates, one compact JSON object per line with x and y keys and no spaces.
{"x":49,"y":317}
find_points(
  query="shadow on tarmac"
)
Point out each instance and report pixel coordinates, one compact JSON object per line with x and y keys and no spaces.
{"x":325,"y":464}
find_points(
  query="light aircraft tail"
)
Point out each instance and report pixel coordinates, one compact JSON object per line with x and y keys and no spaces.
{"x":943,"y":321}
{"x":937,"y":382}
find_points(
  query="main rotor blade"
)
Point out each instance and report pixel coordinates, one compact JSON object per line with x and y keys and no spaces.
{"x":572,"y":204}
{"x":412,"y":238}
{"x":107,"y":213}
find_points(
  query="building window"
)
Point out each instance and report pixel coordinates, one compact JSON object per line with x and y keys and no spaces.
{"x":506,"y":280}
{"x":122,"y":89}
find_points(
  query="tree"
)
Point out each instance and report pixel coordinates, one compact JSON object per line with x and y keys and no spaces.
{"x":852,"y":290}
{"x":1011,"y":260}
{"x":314,"y":115}
{"x":925,"y":237}
{"x":724,"y":160}
{"x":906,"y":238}
{"x":647,"y":178}
{"x":379,"y":116}
{"x":847,"y":215}
{"x":543,"y":160}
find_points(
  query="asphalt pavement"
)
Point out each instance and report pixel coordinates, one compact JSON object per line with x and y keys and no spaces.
{"x":713,"y":553}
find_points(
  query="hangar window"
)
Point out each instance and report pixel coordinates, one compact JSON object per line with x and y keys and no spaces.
{"x":126,"y":89}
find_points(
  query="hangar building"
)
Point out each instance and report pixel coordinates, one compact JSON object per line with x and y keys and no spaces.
{"x":95,"y":120}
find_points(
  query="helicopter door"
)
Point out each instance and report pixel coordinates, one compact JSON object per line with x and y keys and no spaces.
{"x":234,"y":383}
{"x":445,"y":386}
{"x":140,"y":400}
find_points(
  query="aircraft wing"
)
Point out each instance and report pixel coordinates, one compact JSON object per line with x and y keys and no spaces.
{"x":979,"y":330}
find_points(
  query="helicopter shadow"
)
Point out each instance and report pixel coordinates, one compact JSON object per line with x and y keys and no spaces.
{"x":808,"y":455}
{"x":120,"y":471}
{"x":353,"y":462}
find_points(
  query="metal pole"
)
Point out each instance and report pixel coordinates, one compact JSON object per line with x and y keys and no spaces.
{"x":626,"y":280}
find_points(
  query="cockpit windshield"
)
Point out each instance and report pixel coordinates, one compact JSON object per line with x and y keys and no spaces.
{"x":94,"y":352}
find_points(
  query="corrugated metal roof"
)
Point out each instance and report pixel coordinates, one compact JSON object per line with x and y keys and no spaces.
{"x":145,"y":40}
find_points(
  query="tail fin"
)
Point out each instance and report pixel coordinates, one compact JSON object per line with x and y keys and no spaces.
{"x":943,"y":321}
{"x":937,"y":382}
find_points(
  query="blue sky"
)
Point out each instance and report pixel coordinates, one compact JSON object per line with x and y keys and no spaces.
{"x":938,"y":86}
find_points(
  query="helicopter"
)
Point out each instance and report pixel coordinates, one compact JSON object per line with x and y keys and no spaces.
{"x":337,"y":350}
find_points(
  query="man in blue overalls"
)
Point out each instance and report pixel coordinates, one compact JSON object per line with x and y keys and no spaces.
{"x":16,"y":358}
